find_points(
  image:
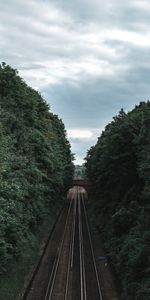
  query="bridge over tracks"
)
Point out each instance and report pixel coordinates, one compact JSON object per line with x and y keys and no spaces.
{"x":81,"y":182}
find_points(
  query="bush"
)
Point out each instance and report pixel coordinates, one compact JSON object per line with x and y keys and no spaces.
{"x":119,"y":166}
{"x":35,"y":160}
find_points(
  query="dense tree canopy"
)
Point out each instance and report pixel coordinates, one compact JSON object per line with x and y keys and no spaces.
{"x":119,"y":165}
{"x":35,"y":163}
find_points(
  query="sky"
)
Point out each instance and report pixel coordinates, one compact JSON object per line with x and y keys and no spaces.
{"x":88,"y":58}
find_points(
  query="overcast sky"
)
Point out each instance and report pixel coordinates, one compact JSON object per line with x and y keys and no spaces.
{"x":88,"y":58}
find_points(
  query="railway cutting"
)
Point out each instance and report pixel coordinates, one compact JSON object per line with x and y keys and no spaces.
{"x":68,"y":268}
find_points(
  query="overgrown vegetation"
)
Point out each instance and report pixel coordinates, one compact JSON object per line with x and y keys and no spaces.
{"x":79,"y":172}
{"x":35,"y":164}
{"x":119,"y":165}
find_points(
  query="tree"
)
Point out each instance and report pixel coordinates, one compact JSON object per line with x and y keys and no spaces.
{"x":36,"y":163}
{"x":119,"y":165}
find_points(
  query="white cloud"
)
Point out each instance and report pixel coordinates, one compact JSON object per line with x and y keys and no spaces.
{"x":142,"y":4}
{"x":82,"y":139}
{"x":84,"y":134}
{"x":129,"y":36}
{"x":41,"y":34}
{"x":80,"y":133}
{"x":89,"y":57}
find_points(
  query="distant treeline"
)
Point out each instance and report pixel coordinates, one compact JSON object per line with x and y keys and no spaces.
{"x":119,"y":165}
{"x":79,"y":171}
{"x":35,"y":163}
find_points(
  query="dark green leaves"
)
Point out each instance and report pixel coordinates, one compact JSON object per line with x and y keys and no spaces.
{"x":35,"y":163}
{"x":119,"y":165}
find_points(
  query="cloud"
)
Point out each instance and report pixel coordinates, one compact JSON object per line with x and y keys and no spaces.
{"x":80,"y":133}
{"x":88,"y":58}
{"x":81,"y":140}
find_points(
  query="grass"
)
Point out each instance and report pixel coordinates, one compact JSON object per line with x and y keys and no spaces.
{"x":19,"y":271}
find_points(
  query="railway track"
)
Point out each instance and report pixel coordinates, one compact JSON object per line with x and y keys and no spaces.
{"x":74,"y":273}
{"x":90,"y":269}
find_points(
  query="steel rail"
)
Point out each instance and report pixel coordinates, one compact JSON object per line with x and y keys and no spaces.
{"x":92,"y":251}
{"x":52,"y":278}
{"x":82,"y":266}
{"x":71,"y":251}
{"x":73,"y":233}
{"x":81,"y":273}
{"x":29,"y":286}
{"x":83,"y":262}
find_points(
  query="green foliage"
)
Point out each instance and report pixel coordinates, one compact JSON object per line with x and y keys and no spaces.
{"x":119,"y":165}
{"x":35,"y":163}
{"x":79,"y":172}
